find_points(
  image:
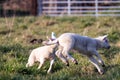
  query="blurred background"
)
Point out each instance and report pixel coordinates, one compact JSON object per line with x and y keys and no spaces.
{"x":60,"y":7}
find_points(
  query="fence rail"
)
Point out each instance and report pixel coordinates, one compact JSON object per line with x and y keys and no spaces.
{"x":81,"y":8}
{"x":48,"y":2}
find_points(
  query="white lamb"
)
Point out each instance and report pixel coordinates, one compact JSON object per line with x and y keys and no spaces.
{"x":83,"y":44}
{"x":40,"y":54}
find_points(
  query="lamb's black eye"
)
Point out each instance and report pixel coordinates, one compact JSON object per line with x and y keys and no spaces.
{"x":106,"y":41}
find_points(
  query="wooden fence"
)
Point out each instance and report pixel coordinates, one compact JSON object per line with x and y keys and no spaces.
{"x":79,"y":7}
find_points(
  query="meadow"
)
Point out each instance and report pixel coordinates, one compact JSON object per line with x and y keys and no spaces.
{"x":15,"y":47}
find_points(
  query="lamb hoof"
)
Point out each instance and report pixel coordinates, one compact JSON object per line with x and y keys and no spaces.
{"x":48,"y":72}
{"x":101,"y":72}
{"x":103,"y":65}
{"x":67,"y":64}
{"x":76,"y":63}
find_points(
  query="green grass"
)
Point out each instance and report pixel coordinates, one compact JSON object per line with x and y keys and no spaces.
{"x":15,"y":47}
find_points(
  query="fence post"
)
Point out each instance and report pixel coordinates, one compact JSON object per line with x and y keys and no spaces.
{"x":69,"y":8}
{"x":96,"y":8}
{"x":39,"y":10}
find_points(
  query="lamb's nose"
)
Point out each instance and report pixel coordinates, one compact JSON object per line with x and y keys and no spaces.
{"x":109,"y":47}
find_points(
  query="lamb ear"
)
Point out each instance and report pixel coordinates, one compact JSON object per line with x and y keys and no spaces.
{"x":105,"y":36}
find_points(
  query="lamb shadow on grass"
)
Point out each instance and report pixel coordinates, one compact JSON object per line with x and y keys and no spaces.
{"x":30,"y":71}
{"x":34,"y":71}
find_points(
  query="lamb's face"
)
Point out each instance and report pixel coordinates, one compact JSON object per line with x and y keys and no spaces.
{"x":104,"y":42}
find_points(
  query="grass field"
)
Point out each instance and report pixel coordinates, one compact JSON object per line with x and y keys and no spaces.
{"x":15,"y":47}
